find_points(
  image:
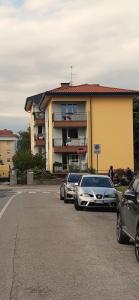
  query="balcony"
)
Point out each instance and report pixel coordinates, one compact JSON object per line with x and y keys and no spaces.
{"x":39,"y":140}
{"x":70,"y":146}
{"x":70,"y":120}
{"x":39,"y":118}
{"x":70,"y":167}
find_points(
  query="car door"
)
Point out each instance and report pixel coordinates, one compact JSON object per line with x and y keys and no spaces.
{"x":63,"y":187}
{"x":132,"y":208}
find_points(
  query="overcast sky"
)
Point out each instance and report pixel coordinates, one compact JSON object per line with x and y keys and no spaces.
{"x":41,"y":39}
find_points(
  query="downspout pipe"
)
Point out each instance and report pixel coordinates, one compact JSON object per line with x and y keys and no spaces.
{"x":91,"y":131}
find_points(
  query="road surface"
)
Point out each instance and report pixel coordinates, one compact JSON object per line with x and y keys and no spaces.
{"x":49,"y":251}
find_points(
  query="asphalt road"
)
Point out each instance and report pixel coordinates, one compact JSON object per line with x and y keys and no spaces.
{"x":49,"y":251}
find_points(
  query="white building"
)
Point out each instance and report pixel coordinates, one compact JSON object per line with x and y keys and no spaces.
{"x":37,"y":124}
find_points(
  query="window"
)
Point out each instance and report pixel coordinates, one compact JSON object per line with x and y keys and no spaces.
{"x":96,"y":182}
{"x":39,"y":129}
{"x":74,"y":178}
{"x":68,"y":109}
{"x":73,"y":133}
{"x":8,"y":159}
{"x":74,"y":157}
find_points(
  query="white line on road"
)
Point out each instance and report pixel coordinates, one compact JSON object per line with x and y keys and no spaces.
{"x":32,"y":192}
{"x":7,"y":204}
{"x":46,"y":192}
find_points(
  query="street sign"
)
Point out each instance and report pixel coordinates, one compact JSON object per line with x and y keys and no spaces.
{"x":97,"y":148}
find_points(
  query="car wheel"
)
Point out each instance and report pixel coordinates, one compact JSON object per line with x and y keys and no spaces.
{"x":137,"y":244}
{"x":61,"y":197}
{"x":76,"y":205}
{"x":65,"y":198}
{"x":121,"y":237}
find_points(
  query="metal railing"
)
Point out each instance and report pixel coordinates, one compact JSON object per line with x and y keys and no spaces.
{"x":69,"y":117}
{"x":39,"y":116}
{"x":70,"y":167}
{"x":40,"y":136}
{"x":70,"y":142}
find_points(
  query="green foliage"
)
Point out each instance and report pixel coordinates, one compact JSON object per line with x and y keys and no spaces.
{"x":23,"y":143}
{"x":121,"y":188}
{"x":39,"y":161}
{"x":136,"y":131}
{"x":41,"y":174}
{"x":25,"y":160}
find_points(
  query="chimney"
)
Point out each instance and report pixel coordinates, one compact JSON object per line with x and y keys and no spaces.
{"x":65,"y":84}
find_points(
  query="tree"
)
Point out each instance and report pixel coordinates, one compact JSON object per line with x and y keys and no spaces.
{"x":23,"y":160}
{"x":136,"y":131}
{"x":23,"y":143}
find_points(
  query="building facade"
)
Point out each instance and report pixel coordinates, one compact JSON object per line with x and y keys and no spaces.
{"x":8,"y":146}
{"x":77,"y":118}
{"x":37,"y":124}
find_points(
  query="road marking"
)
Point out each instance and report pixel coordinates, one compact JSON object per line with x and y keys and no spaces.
{"x":32,"y":192}
{"x":7,"y":204}
{"x":46,"y":192}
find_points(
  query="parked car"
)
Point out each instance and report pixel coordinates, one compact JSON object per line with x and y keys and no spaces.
{"x":67,"y":188}
{"x":95,"y":191}
{"x":128,"y":216}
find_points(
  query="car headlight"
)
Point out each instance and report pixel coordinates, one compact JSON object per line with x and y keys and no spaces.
{"x":70,"y":188}
{"x":111,"y":195}
{"x":85,"y":195}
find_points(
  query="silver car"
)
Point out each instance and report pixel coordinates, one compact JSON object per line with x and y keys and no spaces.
{"x":67,"y":188}
{"x":95,"y":191}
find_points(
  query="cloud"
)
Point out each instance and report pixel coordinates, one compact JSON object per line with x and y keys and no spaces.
{"x":40,"y":40}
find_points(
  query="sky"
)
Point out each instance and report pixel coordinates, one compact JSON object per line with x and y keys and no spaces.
{"x":41,"y":39}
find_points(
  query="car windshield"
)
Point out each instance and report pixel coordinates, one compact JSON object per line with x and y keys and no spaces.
{"x":96,"y":182}
{"x":74,"y":178}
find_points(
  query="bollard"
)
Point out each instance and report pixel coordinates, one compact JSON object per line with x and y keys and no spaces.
{"x":13,"y":177}
{"x":30,"y":177}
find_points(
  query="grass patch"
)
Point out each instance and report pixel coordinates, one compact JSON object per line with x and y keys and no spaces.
{"x":121,"y":188}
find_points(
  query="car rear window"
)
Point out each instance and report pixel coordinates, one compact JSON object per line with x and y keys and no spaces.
{"x":74,"y":178}
{"x":96,"y":182}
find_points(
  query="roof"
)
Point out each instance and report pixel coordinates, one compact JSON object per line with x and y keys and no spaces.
{"x":67,"y":90}
{"x":33,"y":99}
{"x":7,"y":133}
{"x":84,"y":90}
{"x":89,"y":89}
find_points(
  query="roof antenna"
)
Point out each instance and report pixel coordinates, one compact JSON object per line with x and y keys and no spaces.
{"x":71,"y":74}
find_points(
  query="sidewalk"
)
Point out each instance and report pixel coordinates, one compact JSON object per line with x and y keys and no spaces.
{"x":7,"y":186}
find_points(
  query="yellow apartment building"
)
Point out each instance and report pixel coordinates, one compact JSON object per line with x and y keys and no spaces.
{"x":8,"y":144}
{"x":86,"y":127}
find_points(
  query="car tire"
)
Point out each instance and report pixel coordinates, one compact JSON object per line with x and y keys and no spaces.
{"x":61,"y":198}
{"x":65,"y":198}
{"x":137,"y":245}
{"x":76,"y":205}
{"x":121,"y":237}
